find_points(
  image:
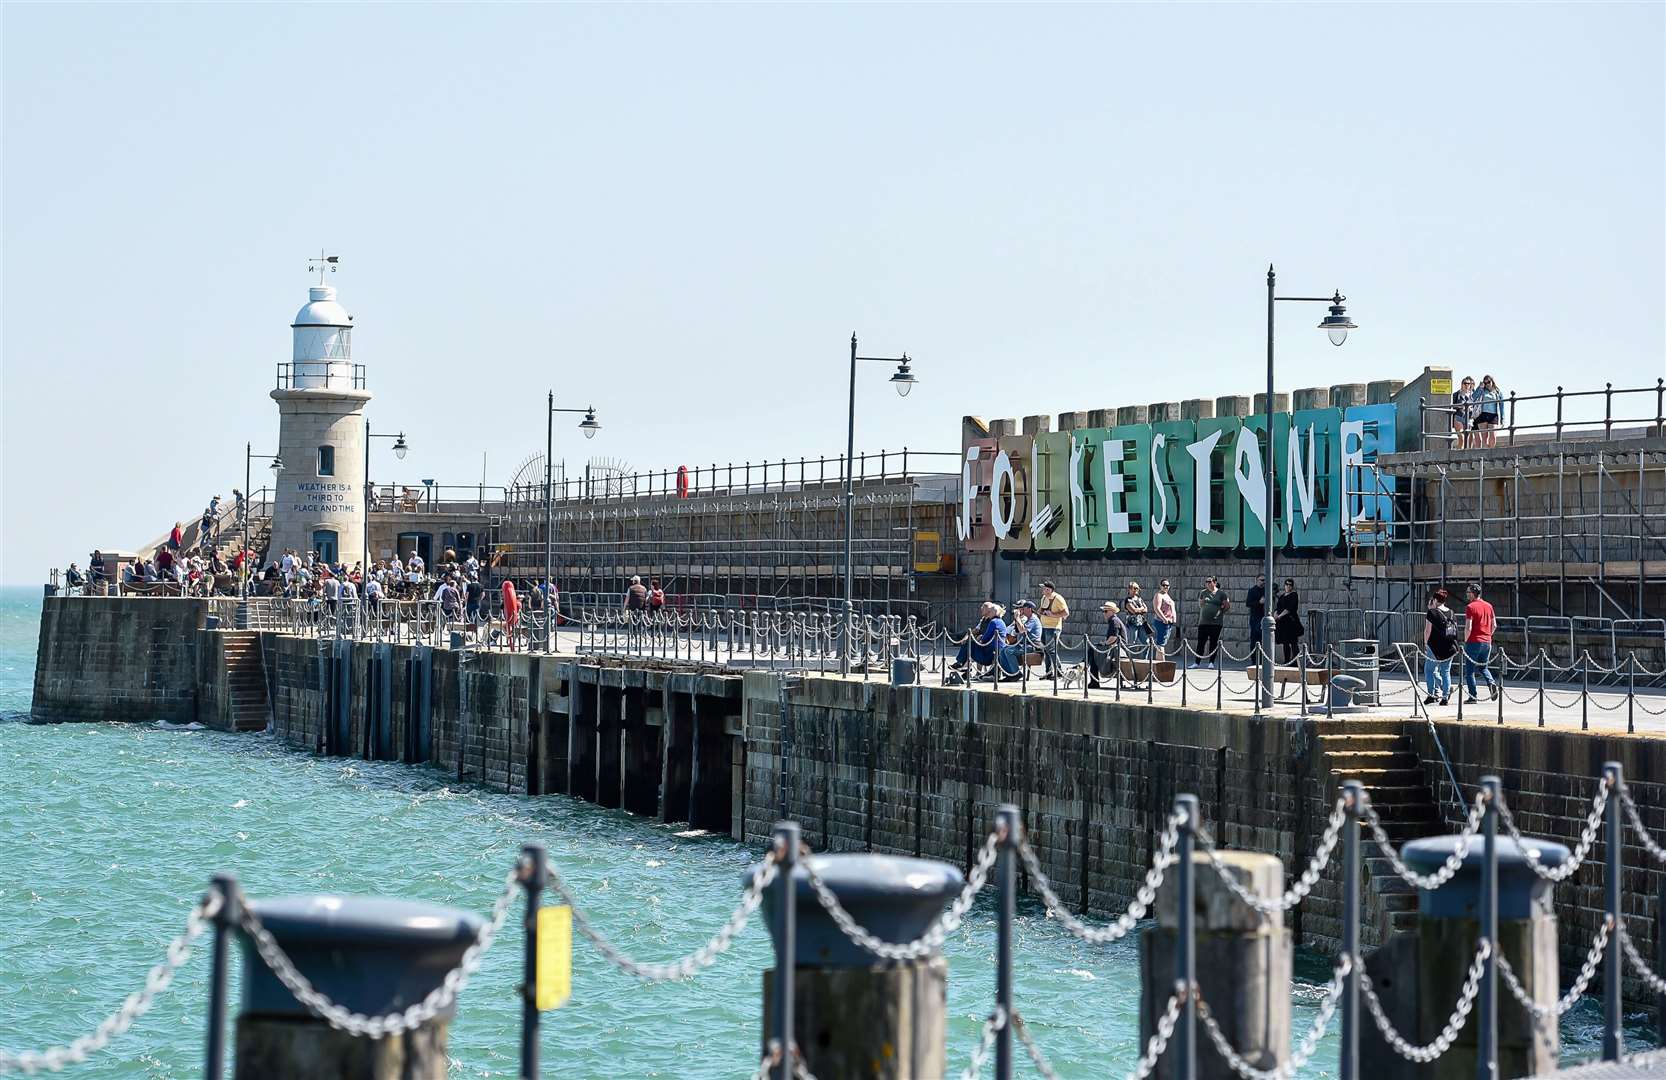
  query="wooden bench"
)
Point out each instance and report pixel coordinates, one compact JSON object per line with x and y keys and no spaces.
{"x":1284,"y":675}
{"x":1140,"y":670}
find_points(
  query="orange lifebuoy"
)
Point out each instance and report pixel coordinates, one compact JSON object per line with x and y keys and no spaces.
{"x":682,"y":481}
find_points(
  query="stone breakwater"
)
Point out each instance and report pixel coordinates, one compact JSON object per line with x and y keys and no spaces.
{"x":865,"y":766}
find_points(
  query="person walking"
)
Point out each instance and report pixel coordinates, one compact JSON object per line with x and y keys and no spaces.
{"x":1440,"y":644}
{"x":1256,"y":602}
{"x":511,"y":612}
{"x":1053,"y":611}
{"x":1287,"y":622}
{"x":1481,"y":619}
{"x":1212,"y":606}
{"x":1164,"y":616}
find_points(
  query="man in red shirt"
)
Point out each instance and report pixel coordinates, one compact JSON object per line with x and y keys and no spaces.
{"x":1478,"y":642}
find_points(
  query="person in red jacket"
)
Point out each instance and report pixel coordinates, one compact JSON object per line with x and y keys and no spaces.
{"x":1478,"y":642}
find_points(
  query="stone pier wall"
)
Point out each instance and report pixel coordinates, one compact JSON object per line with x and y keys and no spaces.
{"x":118,"y":658}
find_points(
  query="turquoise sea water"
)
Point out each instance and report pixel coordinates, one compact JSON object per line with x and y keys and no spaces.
{"x":109,"y":832}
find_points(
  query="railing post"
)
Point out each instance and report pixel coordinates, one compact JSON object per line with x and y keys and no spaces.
{"x":1301,"y":664}
{"x":534,"y":876}
{"x":1541,"y":687}
{"x":1660,"y":955}
{"x":1353,"y":794}
{"x":1607,"y":413}
{"x":1185,"y":954}
{"x":1585,"y":690}
{"x":1007,"y":831}
{"x":1631,"y":693}
{"x":225,"y":885}
{"x":1218,"y":688}
{"x":786,"y":908}
{"x":1486,"y":1056}
{"x":1613,"y":1040}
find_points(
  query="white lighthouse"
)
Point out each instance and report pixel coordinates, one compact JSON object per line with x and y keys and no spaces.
{"x":320,"y":501}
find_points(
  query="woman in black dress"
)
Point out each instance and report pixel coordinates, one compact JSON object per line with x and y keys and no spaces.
{"x":1287,"y":622}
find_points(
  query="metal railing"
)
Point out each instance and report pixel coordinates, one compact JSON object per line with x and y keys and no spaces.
{"x":1556,"y":415}
{"x":320,"y":374}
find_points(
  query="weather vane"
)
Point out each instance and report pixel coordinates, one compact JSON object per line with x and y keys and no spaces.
{"x":322,"y":264}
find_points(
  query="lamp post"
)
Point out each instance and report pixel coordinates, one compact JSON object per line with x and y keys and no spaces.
{"x":589,"y":426}
{"x":249,"y":455}
{"x":400,"y":447}
{"x":903,"y":379}
{"x":1336,"y":325}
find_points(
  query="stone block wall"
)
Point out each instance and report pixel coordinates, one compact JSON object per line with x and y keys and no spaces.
{"x":118,"y":658}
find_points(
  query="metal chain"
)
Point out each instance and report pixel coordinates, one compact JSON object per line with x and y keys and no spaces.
{"x":692,"y":964}
{"x":1159,"y":1040}
{"x":1646,"y":973}
{"x":1042,"y":1065}
{"x":928,"y":942}
{"x":1310,"y":876}
{"x":376,"y":1027}
{"x":986,"y":1042}
{"x":1644,"y":837}
{"x":770,"y":1059}
{"x":1567,"y":1001}
{"x":134,"y":1006}
{"x":801,"y":1068}
{"x":1466,"y":1001}
{"x":1587,"y":837}
{"x":1453,"y":861}
{"x":1160,"y":862}
{"x":1309,"y":1043}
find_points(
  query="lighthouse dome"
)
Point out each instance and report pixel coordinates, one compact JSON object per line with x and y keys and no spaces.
{"x":321,"y":309}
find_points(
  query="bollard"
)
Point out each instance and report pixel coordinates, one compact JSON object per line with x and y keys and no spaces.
{"x":1241,"y":958}
{"x":855,"y":1014}
{"x":1486,"y":1054}
{"x":1185,"y":950}
{"x":368,"y":954}
{"x":1449,"y":929}
{"x":785,"y":934}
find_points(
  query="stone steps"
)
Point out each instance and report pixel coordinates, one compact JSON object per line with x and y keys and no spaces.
{"x":245,"y":680}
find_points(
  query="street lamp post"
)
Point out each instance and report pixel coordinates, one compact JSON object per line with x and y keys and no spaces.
{"x":589,"y":426}
{"x":1336,"y":325}
{"x":249,"y":455}
{"x":903,"y":379}
{"x":400,"y":446}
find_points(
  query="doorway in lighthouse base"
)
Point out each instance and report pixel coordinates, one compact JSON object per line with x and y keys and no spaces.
{"x":326,"y":543}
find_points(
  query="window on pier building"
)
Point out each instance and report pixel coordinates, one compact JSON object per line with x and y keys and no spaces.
{"x":326,"y":461}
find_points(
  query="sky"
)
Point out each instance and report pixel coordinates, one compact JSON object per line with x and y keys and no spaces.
{"x":681,"y":213}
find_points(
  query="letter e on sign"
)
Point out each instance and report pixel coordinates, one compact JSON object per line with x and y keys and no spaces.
{"x":554,"y":976}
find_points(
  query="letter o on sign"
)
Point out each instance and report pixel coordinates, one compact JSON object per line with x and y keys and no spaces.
{"x":1003,"y":500}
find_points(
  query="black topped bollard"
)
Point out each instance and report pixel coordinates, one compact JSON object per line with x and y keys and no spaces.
{"x":367,"y":954}
{"x":856,"y":1013}
{"x":1450,"y":926}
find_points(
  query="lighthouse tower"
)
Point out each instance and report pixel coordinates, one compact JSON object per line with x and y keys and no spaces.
{"x":320,"y":502}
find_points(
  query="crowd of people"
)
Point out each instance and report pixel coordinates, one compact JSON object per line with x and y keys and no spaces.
{"x":1476,"y":413}
{"x":1134,"y":628}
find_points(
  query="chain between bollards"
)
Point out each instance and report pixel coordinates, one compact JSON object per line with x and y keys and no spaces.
{"x":1185,"y":966}
{"x":534,"y":876}
{"x":786,"y":946}
{"x":1008,"y":833}
{"x":1486,"y":1049}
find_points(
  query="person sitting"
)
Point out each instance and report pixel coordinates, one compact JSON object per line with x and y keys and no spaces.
{"x":1115,"y":646}
{"x":1023,"y":639}
{"x":982,"y":641}
{"x":73,"y":580}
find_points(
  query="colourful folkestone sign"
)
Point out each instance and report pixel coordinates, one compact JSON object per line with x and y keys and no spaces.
{"x":1177,"y":485}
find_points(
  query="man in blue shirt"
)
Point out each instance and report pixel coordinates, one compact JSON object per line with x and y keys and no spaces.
{"x":984,"y":640}
{"x":1026,"y":629}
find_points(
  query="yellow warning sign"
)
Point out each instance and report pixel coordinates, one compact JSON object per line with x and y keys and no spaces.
{"x":555,"y":957}
{"x":1440,"y":386}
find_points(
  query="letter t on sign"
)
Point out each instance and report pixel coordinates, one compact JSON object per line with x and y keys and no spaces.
{"x":1202,"y":451}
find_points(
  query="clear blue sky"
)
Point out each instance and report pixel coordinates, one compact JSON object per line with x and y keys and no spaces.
{"x":680,"y":213}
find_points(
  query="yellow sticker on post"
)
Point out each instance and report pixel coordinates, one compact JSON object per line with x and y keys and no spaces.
{"x":555,"y":957}
{"x":1440,"y":386}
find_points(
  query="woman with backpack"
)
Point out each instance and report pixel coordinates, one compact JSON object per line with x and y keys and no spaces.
{"x":1440,"y":640}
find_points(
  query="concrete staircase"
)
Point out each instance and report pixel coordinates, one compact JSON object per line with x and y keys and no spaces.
{"x":246,"y":681}
{"x":1387,"y":764}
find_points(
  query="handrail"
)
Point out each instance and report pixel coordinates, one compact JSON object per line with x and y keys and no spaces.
{"x":1559,"y":423}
